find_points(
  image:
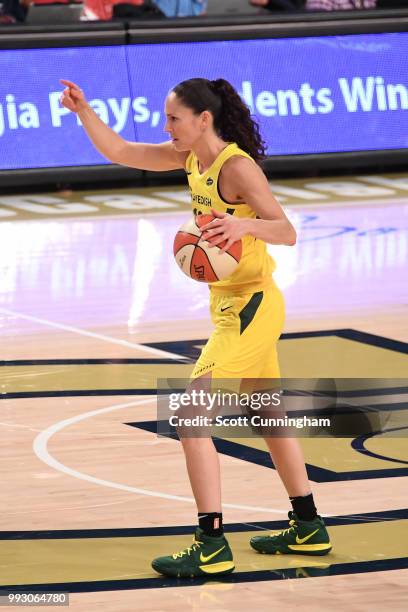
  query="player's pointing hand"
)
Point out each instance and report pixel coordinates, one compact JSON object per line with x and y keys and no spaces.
{"x":72,"y":97}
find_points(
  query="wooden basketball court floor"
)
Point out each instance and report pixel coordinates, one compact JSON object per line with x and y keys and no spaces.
{"x":93,"y":310}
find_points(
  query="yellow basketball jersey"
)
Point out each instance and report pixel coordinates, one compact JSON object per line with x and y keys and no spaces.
{"x":254,"y":271}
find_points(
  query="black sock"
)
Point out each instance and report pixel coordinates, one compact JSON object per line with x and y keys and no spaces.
{"x":304,"y":507}
{"x":211,"y":523}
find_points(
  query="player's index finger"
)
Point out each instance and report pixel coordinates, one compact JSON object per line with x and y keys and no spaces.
{"x":69,"y":83}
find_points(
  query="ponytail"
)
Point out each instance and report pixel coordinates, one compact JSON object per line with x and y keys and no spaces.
{"x":232,"y":117}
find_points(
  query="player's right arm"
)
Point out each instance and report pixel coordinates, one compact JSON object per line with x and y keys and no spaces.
{"x":144,"y":156}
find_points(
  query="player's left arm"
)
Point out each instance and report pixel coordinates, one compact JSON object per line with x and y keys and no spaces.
{"x":248,"y":182}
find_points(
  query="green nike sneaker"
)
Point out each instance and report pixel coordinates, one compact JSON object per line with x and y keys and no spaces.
{"x":206,"y":556}
{"x":301,"y":538}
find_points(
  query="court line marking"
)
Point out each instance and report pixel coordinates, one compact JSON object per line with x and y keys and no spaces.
{"x":41,"y":451}
{"x":89,"y":334}
{"x":366,"y":203}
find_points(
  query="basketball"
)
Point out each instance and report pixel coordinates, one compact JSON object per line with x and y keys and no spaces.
{"x":195,"y":257}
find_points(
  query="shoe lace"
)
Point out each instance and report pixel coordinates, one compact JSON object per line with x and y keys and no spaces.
{"x":292,"y":527}
{"x":187,"y":551}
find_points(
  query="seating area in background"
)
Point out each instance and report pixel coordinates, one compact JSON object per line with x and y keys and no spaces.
{"x":71,"y":11}
{"x":39,"y":12}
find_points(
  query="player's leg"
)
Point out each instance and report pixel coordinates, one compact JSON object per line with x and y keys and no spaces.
{"x":307,"y":533}
{"x":201,"y":456}
{"x":202,"y":460}
{"x":209,"y":554}
{"x":286,"y":453}
{"x":288,"y":459}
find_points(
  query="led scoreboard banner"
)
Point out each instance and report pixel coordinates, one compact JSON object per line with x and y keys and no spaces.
{"x":315,"y":95}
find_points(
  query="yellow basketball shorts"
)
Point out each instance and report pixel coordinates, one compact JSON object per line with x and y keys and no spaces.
{"x":243,"y":343}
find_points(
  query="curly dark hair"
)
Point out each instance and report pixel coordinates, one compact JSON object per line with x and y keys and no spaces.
{"x":232,"y":117}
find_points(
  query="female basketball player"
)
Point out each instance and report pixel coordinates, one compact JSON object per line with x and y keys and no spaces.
{"x":214,"y":139}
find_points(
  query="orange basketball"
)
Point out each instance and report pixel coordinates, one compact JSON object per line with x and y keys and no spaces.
{"x":197,"y":260}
